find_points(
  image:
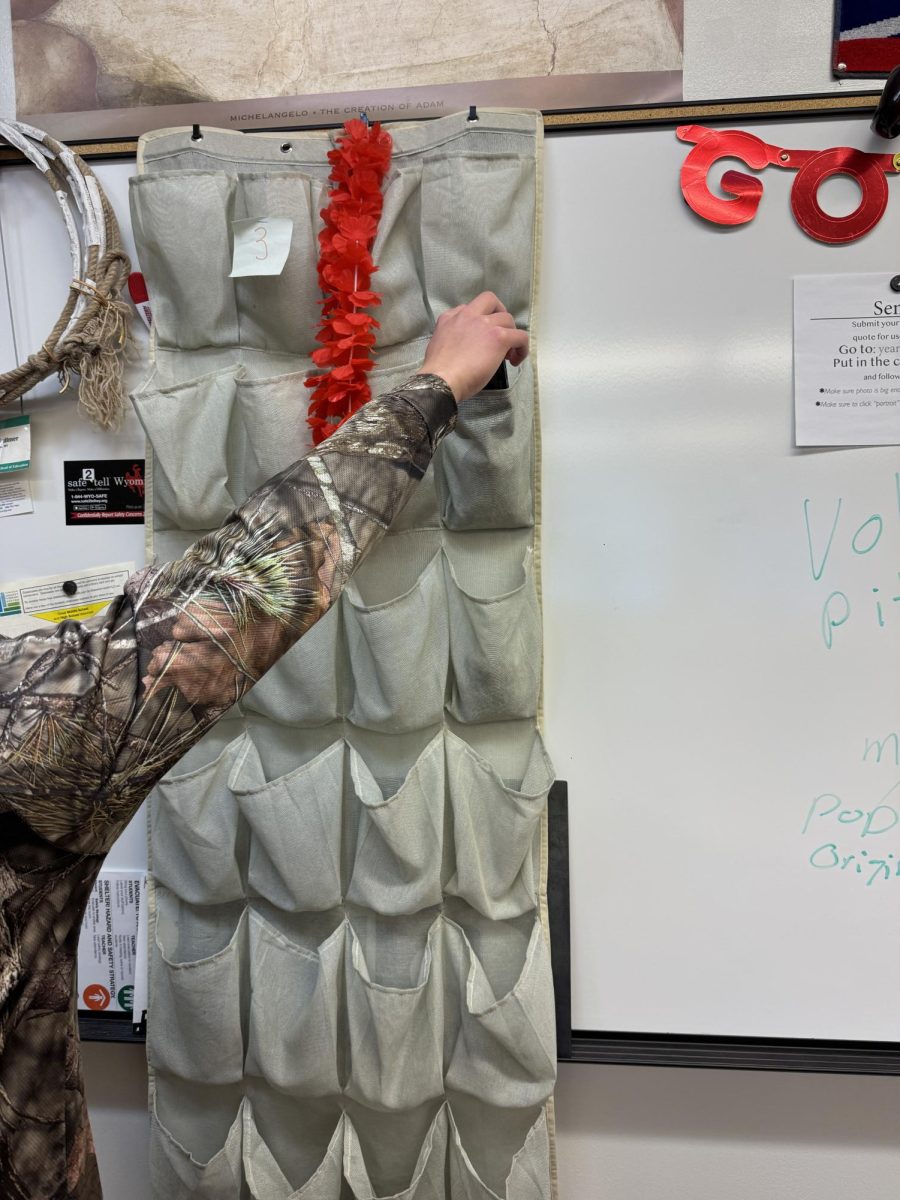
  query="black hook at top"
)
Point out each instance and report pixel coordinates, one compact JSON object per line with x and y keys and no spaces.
{"x":196,"y":135}
{"x":473,"y":113}
{"x":886,"y":121}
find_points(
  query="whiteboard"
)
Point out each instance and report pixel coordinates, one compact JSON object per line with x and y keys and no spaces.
{"x":690,"y":702}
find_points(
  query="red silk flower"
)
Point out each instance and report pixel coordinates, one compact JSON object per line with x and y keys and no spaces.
{"x":346,"y":333}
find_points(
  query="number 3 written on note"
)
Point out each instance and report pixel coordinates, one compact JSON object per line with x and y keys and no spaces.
{"x":261,"y":245}
{"x":260,"y":241}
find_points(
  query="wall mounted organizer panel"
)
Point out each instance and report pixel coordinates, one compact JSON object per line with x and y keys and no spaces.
{"x":351,"y":987}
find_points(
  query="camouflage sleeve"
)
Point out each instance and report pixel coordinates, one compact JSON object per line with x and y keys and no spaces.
{"x":93,"y":713}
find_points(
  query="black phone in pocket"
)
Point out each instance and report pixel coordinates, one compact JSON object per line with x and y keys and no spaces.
{"x":499,"y":380}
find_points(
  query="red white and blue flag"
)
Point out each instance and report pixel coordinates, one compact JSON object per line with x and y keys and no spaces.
{"x":866,"y":37}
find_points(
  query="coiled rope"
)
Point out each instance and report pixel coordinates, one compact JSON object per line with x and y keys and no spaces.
{"x":92,"y":328}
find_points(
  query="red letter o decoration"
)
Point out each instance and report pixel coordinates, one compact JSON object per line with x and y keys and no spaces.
{"x":842,"y":160}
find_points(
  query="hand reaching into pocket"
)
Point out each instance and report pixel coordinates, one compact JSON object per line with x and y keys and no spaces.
{"x":470,"y":342}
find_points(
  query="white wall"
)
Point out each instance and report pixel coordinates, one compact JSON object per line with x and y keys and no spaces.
{"x":7,"y":79}
{"x":116,"y":1085}
{"x":631,"y":1133}
{"x":742,"y":48}
{"x":639,"y":1133}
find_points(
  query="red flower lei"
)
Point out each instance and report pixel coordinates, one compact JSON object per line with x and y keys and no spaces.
{"x":358,"y":166}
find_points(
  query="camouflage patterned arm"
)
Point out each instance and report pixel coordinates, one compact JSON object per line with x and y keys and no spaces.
{"x":92,"y":714}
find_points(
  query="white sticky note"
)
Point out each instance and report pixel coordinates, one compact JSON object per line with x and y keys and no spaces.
{"x":261,"y":245}
{"x":846,"y":360}
{"x":15,"y":497}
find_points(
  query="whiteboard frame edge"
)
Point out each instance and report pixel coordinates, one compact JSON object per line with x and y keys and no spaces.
{"x":735,"y":1053}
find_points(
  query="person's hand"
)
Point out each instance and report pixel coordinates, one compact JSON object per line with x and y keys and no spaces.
{"x":470,"y":342}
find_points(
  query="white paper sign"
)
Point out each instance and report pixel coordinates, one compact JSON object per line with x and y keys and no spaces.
{"x":141,"y":989}
{"x":15,"y":497}
{"x":15,"y":444}
{"x":75,"y":596}
{"x":261,"y":245}
{"x":108,"y":943}
{"x":846,"y":360}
